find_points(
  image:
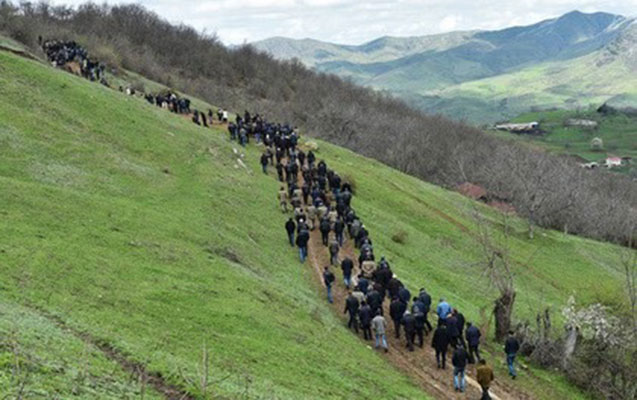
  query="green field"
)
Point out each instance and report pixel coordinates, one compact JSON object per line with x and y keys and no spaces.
{"x":142,"y":229}
{"x":617,"y":131}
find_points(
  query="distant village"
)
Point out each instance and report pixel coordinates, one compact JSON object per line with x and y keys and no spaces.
{"x":534,"y":128}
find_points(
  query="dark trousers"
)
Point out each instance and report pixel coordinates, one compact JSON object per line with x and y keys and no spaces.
{"x":291,"y":237}
{"x":441,"y":357}
{"x":428,"y":327}
{"x":367,"y":332}
{"x":352,"y":323}
{"x":485,"y":393}
{"x":397,"y":328}
{"x":325,"y":236}
{"x":409,"y":335}
{"x":339,"y":239}
{"x":474,"y":354}
{"x":419,"y":333}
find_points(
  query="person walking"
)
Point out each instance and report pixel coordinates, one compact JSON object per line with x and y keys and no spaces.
{"x":290,"y":228}
{"x":380,"y":326}
{"x":409,"y":324}
{"x":419,"y":318}
{"x":328,"y":279}
{"x":283,"y":199}
{"x":351,"y":306}
{"x":484,"y":376}
{"x":339,"y":228}
{"x":264,"y":162}
{"x":325,"y":229}
{"x":440,"y":342}
{"x":334,"y":248}
{"x":425,"y":298}
{"x":473,"y":340}
{"x":347,"y":265}
{"x":459,"y":362}
{"x":365,"y":317}
{"x":301,"y":241}
{"x":511,"y":348}
{"x":443,"y":310}
{"x":396,"y":310}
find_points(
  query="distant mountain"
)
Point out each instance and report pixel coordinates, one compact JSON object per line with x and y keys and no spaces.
{"x":483,"y":76}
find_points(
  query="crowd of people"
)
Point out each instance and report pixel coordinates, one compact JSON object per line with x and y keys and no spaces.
{"x":60,"y":53}
{"x":320,"y":200}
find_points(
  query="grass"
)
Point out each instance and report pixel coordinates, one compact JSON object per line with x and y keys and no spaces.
{"x":616,"y":131}
{"x":158,"y":264}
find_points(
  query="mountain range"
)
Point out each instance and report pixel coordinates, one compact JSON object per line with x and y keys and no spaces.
{"x":574,"y":61}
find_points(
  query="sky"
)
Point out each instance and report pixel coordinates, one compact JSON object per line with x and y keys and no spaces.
{"x":357,"y":22}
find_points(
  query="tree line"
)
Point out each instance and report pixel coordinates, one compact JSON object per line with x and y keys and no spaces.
{"x":548,"y":190}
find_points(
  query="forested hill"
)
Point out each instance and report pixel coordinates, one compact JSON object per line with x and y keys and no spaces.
{"x":567,"y":62}
{"x":548,"y":191}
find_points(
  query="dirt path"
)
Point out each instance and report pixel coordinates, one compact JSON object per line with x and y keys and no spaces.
{"x":136,"y":369}
{"x":420,"y":364}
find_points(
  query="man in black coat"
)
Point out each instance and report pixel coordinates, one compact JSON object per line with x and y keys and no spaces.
{"x":409,"y":324}
{"x":425,"y":298}
{"x":365,"y":317}
{"x":325,"y":229}
{"x":290,"y":227}
{"x":351,"y":306}
{"x":419,"y":317}
{"x":440,"y":342}
{"x":301,"y":241}
{"x":459,"y":361}
{"x":339,"y":228}
{"x":460,"y":321}
{"x":347,"y":265}
{"x":396,"y":310}
{"x":511,"y":348}
{"x":393,"y":286}
{"x":473,"y":339}
{"x":452,"y":330}
{"x":375,"y":301}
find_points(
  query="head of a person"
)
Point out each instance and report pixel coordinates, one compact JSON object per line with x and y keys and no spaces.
{"x":415,"y":299}
{"x":482,"y":362}
{"x":468,"y":324}
{"x":442,"y":299}
{"x":511,"y":333}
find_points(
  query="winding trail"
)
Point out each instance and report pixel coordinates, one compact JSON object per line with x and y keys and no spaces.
{"x":420,"y":364}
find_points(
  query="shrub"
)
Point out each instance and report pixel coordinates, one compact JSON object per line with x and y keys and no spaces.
{"x":597,"y":144}
{"x":400,"y":237}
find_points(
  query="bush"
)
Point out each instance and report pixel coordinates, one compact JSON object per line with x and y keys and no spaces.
{"x":400,"y":237}
{"x":597,"y":144}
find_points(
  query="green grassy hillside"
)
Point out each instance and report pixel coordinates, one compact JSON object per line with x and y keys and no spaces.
{"x":617,"y":132}
{"x":142,"y":229}
{"x":133,"y":224}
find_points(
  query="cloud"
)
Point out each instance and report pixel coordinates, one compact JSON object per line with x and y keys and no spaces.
{"x":355,"y":21}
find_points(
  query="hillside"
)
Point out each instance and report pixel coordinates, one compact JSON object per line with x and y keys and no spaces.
{"x":616,"y":131}
{"x":127,"y":226}
{"x":491,"y":75}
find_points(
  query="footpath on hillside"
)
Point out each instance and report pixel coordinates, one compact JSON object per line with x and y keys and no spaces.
{"x":420,"y":364}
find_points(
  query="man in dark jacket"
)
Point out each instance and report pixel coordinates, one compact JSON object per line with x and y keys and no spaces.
{"x":365,"y":317}
{"x":347,"y":265}
{"x":419,"y":318}
{"x":473,"y":339}
{"x":334,"y":248}
{"x":452,"y":330}
{"x":404,"y":295}
{"x":511,"y":348}
{"x":396,"y":310}
{"x":264,"y":161}
{"x":339,"y":228}
{"x":301,"y":241}
{"x":325,"y":229}
{"x":425,"y":298}
{"x":440,"y":342}
{"x":363,"y":283}
{"x":460,"y":324}
{"x":375,"y":301}
{"x":290,"y":227}
{"x":328,"y":279}
{"x":351,"y":307}
{"x":409,"y":324}
{"x":459,"y":361}
{"x":393,"y":286}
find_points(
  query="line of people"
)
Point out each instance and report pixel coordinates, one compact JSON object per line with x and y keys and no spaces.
{"x":60,"y":53}
{"x":323,"y":201}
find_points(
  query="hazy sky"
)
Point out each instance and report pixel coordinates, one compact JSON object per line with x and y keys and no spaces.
{"x":355,"y":22}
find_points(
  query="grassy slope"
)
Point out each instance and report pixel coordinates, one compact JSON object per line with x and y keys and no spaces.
{"x":157,"y":264}
{"x":85,"y":172}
